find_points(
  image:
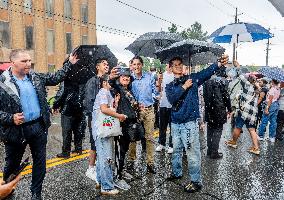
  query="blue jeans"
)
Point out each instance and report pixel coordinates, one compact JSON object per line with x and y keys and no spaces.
{"x":272,"y":118}
{"x":186,"y":135}
{"x":104,"y":162}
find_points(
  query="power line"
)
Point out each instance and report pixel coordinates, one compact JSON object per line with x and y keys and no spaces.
{"x":99,"y":27}
{"x":148,"y":13}
{"x":218,"y":8}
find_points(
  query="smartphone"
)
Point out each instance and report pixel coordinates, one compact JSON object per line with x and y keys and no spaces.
{"x":19,"y":170}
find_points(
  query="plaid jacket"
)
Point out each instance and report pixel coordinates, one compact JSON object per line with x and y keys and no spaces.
{"x":247,"y":101}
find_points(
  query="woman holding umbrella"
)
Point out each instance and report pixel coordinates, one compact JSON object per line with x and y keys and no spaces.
{"x":246,"y":112}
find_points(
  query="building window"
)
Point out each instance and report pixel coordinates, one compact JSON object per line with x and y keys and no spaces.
{"x":29,"y":37}
{"x":49,"y":8}
{"x":84,"y":39}
{"x":50,"y":41}
{"x":68,"y":43}
{"x":51,"y":68}
{"x":5,"y":34}
{"x":4,"y":3}
{"x":67,"y":9}
{"x":84,"y":13}
{"x":28,"y":6}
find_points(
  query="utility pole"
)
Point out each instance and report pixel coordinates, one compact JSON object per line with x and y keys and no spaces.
{"x":267,"y":51}
{"x":234,"y":44}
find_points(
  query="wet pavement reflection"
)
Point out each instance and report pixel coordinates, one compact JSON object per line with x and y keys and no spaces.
{"x":238,"y":175}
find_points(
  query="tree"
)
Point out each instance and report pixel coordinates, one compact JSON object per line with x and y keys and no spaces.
{"x":194,"y":32}
{"x":154,"y":62}
{"x":173,"y":28}
{"x":283,"y":66}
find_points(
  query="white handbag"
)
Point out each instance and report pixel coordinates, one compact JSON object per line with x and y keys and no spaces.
{"x":107,"y":126}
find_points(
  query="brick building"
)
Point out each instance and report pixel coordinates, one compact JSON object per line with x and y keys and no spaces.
{"x":49,"y":29}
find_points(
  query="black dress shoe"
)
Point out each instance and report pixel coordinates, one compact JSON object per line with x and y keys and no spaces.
{"x":216,"y":155}
{"x":150,"y":169}
{"x":63,"y":155}
{"x":36,"y":197}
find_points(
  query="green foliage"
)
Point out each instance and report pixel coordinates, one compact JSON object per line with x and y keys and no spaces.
{"x":194,"y":32}
{"x":154,"y":62}
{"x":173,"y":29}
{"x":283,"y":66}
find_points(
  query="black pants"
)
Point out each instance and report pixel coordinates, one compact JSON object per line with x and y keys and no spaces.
{"x":213,"y":139}
{"x":120,"y":151}
{"x":36,"y":138}
{"x":92,"y":141}
{"x":165,"y":120}
{"x":71,"y":124}
{"x":280,"y":124}
{"x":156,"y":110}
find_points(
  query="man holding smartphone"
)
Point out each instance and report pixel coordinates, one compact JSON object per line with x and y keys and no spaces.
{"x":25,"y":114}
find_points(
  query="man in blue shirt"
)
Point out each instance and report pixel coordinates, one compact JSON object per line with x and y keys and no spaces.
{"x":182,"y":93}
{"x":143,"y":88}
{"x":24,"y":114}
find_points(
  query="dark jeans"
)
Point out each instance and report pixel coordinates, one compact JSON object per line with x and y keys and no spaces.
{"x":280,"y":124}
{"x":92,"y":141}
{"x":213,"y":139}
{"x":165,"y":120}
{"x":36,"y":138}
{"x":72,"y":124}
{"x":121,"y":153}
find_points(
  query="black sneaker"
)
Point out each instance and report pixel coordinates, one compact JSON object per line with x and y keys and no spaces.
{"x":193,"y":187}
{"x":63,"y":155}
{"x":36,"y":197}
{"x":216,"y":155}
{"x":173,"y":177}
{"x":150,"y":169}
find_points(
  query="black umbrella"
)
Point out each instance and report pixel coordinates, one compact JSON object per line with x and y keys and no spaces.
{"x":148,"y":43}
{"x":84,"y":69}
{"x":186,"y":48}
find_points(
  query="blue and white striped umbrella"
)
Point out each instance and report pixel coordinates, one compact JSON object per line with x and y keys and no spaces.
{"x":273,"y":73}
{"x":240,"y":32}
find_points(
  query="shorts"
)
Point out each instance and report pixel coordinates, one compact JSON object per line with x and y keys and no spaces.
{"x":240,"y":122}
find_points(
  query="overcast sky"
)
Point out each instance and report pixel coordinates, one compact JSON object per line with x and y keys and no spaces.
{"x":212,"y":14}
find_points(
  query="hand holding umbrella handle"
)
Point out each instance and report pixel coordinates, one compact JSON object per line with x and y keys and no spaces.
{"x":223,"y":61}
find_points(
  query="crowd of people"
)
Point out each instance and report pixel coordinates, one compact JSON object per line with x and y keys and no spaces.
{"x":139,"y":101}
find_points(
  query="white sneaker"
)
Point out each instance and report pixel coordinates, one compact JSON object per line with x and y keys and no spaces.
{"x":260,"y":138}
{"x":272,"y":140}
{"x":160,"y":148}
{"x":170,"y":150}
{"x":92,"y":174}
{"x":121,"y":184}
{"x":109,"y":192}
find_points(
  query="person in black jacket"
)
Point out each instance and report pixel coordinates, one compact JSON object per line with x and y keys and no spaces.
{"x":128,"y":106}
{"x":69,"y":99}
{"x":24,"y":114}
{"x":217,"y":107}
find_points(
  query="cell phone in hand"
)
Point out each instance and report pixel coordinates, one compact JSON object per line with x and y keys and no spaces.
{"x":19,"y":170}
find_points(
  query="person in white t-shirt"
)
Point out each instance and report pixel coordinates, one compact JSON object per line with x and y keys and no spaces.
{"x":165,"y":112}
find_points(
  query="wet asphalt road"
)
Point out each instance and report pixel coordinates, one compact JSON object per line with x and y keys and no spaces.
{"x":239,"y":175}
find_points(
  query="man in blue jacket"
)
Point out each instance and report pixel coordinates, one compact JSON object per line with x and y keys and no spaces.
{"x":182,"y":93}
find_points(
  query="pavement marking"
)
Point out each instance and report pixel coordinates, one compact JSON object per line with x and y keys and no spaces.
{"x":56,"y":161}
